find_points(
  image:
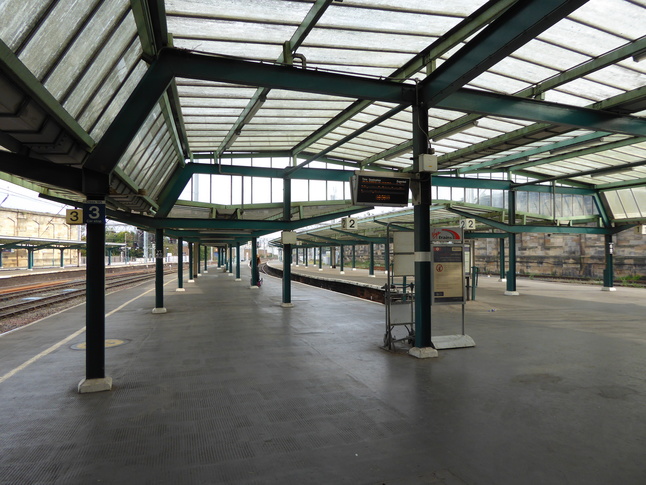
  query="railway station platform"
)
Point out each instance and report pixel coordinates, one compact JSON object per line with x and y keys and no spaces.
{"x":228,"y":387}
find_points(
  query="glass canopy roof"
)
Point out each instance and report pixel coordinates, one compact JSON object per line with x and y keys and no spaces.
{"x":530,"y":91}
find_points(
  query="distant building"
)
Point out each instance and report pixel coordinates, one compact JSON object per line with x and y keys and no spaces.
{"x":28,"y":224}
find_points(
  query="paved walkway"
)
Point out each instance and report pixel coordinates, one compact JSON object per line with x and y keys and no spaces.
{"x":228,"y":387}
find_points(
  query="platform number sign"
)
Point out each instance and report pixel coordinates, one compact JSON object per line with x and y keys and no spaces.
{"x":468,"y":224}
{"x":74,"y":216}
{"x":94,"y":212}
{"x":348,"y":223}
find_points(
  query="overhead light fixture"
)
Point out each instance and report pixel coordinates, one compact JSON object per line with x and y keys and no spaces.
{"x":453,"y":131}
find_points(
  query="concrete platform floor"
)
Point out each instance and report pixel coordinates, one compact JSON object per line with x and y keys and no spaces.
{"x":228,"y":387}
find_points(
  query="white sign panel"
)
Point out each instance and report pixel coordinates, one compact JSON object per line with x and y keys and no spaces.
{"x":348,"y":223}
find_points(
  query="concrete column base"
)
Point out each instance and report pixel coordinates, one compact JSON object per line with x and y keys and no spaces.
{"x":230,"y":274}
{"x":608,"y":288}
{"x":95,"y":385}
{"x":287,"y":305}
{"x":180,"y":289}
{"x":342,"y":272}
{"x":423,"y":352}
{"x":502,"y":280}
{"x":354,"y":269}
{"x":511,"y":293}
{"x":254,"y":287}
{"x":372,"y":276}
{"x":238,"y":279}
{"x":159,"y":310}
{"x":191,"y":281}
{"x":320,"y":269}
{"x":205,"y":272}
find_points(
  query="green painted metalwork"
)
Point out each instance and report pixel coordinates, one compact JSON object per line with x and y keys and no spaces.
{"x":516,"y":26}
{"x":260,"y":96}
{"x":41,"y":171}
{"x":27,"y":82}
{"x":453,"y":37}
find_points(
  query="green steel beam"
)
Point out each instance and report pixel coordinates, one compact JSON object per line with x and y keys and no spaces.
{"x":41,"y":171}
{"x":518,"y":229}
{"x":259,"y":97}
{"x":367,"y":126}
{"x":13,"y":67}
{"x":536,"y":110}
{"x":601,"y":208}
{"x":485,"y":235}
{"x":596,"y":171}
{"x":619,"y":103}
{"x":132,"y":185}
{"x":361,"y":237}
{"x":173,"y":189}
{"x":426,"y":57}
{"x":473,"y":183}
{"x":621,"y":185}
{"x":519,"y":24}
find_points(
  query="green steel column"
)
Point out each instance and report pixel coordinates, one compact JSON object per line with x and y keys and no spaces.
{"x":206,"y":259}
{"x":238,"y":261}
{"x":110,"y":257}
{"x":0,"y":259}
{"x":320,"y":258}
{"x":294,"y":255}
{"x":354,"y":257}
{"x":511,"y":274}
{"x":62,"y":258}
{"x":159,"y":272}
{"x":501,"y":245}
{"x":30,"y":259}
{"x":190,"y":262}
{"x":180,"y":264}
{"x":387,"y":258}
{"x":609,"y":271}
{"x":95,"y":300}
{"x":341,"y":258}
{"x":231,"y":258}
{"x":287,"y":248}
{"x":371,"y":270}
{"x":422,"y":241}
{"x":198,"y":260}
{"x":255,"y":275}
{"x":287,"y":276}
{"x":306,"y":255}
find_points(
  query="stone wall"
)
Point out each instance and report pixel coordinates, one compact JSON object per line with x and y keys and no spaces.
{"x":27,"y":224}
{"x":571,"y":255}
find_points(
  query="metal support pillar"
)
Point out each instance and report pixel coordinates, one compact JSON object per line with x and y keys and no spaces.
{"x":62,"y":258}
{"x":206,"y":258}
{"x":421,"y":216}
{"x":238,"y":261}
{"x":306,"y":256}
{"x":287,"y":276}
{"x":198,"y":260}
{"x":387,"y":259}
{"x":30,"y":259}
{"x":110,"y":257}
{"x":320,"y":258}
{"x":333,"y":256}
{"x":341,"y":258}
{"x":501,"y":245}
{"x":511,"y":273}
{"x":180,"y":265}
{"x":354,"y":257}
{"x":294,"y":255}
{"x":371,"y":268}
{"x":190,"y":263}
{"x":609,"y":270}
{"x":95,"y":378}
{"x":159,"y":272}
{"x":255,"y":275}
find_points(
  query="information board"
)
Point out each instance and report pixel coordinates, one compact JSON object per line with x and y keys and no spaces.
{"x":380,"y":190}
{"x":447,"y":283}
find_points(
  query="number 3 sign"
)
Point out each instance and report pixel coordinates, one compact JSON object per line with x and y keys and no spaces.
{"x":94,"y":212}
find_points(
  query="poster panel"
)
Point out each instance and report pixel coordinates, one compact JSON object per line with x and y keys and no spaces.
{"x":447,"y":282}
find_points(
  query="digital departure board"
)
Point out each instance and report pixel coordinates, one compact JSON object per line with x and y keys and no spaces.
{"x":380,"y":190}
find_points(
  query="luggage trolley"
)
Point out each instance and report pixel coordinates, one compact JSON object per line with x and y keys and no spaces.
{"x":399,"y":296}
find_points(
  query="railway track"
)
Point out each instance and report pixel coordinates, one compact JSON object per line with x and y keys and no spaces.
{"x":33,"y":298}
